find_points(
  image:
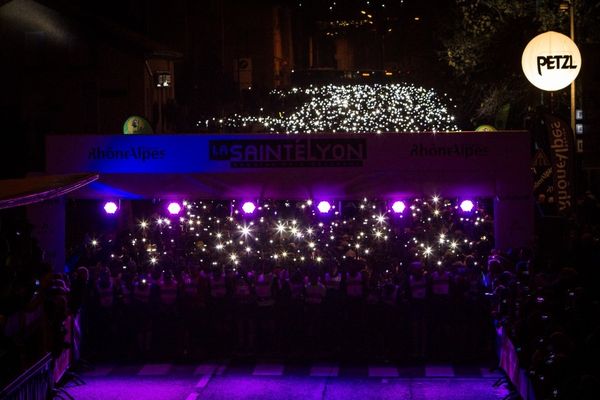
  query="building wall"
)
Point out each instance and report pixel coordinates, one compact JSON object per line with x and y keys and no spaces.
{"x":62,"y":76}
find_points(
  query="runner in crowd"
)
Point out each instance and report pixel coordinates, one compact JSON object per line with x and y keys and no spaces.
{"x":315,"y":293}
{"x":419,"y":308}
{"x":245,"y":310}
{"x":141,"y":307}
{"x":104,"y":327}
{"x":218,"y":310}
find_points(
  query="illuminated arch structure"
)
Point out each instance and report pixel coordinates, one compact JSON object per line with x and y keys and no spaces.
{"x":340,"y":167}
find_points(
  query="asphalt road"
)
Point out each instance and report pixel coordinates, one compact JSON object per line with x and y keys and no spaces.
{"x":275,"y":380}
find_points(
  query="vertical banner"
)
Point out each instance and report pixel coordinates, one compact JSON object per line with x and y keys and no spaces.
{"x":561,"y":148}
{"x":543,"y":184}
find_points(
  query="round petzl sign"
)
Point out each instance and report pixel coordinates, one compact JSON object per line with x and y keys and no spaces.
{"x":551,"y":61}
{"x":136,"y":124}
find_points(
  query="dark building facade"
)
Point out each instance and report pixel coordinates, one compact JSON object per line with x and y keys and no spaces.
{"x":69,"y":71}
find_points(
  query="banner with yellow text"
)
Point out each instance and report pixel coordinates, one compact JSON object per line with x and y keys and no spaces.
{"x":561,"y":149}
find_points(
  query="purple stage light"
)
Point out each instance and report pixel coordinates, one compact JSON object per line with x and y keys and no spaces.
{"x":467,"y":206}
{"x":110,"y":207}
{"x":248,"y":207}
{"x":398,"y":207}
{"x":174,"y":208}
{"x":324,"y":207}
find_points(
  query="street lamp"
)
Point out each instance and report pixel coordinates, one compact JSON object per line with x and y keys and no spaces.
{"x":163,"y":80}
{"x":570,"y":6}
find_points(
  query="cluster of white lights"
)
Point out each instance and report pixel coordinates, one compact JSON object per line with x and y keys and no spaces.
{"x":374,"y":108}
{"x":218,"y":234}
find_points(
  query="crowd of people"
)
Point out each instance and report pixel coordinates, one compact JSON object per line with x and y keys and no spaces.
{"x":403,"y":309}
{"x":554,"y":323}
{"x":550,"y":308}
{"x":362,"y":282}
{"x":34,"y":301}
{"x":351,"y":310}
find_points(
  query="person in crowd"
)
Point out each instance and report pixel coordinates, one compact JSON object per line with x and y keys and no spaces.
{"x":79,"y":289}
{"x":57,"y":310}
{"x":105,"y":328}
{"x":294,"y":323}
{"x":80,"y":307}
{"x":124,"y":315}
{"x":374,"y":314}
{"x":105,"y":289}
{"x":245,"y":309}
{"x":168,"y":291}
{"x":332,"y":304}
{"x":419,"y":308}
{"x":218,"y":310}
{"x":440,"y":315}
{"x":168,"y":328}
{"x":264,"y":286}
{"x":315,"y":293}
{"x":141,"y":311}
{"x":391,"y":316}
{"x":354,"y":282}
{"x":190,"y":305}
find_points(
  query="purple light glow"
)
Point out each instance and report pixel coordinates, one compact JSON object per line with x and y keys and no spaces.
{"x":466,"y":205}
{"x":398,"y":207}
{"x":110,"y":207}
{"x":248,"y":207}
{"x":324,"y":207}
{"x":174,"y":208}
{"x":177,"y":386}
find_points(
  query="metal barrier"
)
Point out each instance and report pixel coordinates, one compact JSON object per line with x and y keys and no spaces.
{"x":509,"y":363}
{"x":34,"y":384}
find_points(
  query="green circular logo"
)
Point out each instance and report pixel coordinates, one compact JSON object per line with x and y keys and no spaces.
{"x":137,"y":125}
{"x":485,"y":128}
